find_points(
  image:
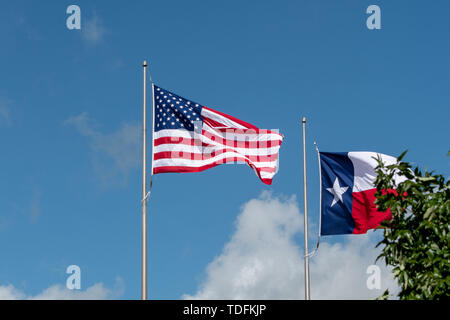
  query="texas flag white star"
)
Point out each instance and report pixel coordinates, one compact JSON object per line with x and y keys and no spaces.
{"x":337,"y":191}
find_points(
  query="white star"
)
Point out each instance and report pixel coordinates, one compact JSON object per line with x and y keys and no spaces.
{"x":337,"y":191}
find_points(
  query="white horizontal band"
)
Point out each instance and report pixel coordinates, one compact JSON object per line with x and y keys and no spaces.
{"x":217,"y":117}
{"x":200,"y":163}
{"x":364,"y":166}
{"x":199,"y":149}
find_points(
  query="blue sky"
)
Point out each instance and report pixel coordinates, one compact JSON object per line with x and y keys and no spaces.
{"x":70,"y":112}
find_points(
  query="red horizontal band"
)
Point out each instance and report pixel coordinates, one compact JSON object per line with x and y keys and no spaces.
{"x":242,"y":123}
{"x":212,"y":123}
{"x":182,"y":169}
{"x":206,"y":156}
{"x":219,"y":140}
{"x":250,"y":131}
{"x":365,"y":213}
{"x":180,"y":140}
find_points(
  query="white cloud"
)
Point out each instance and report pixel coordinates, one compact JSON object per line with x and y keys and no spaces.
{"x":263,"y":261}
{"x":116,"y":153}
{"x":9,"y":292}
{"x":58,"y":292}
{"x":92,"y":30}
{"x":338,"y":271}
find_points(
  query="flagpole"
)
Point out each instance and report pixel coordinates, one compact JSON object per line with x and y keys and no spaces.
{"x":144,"y":190}
{"x":307,"y":297}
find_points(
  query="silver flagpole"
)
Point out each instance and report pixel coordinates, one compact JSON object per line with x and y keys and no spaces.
{"x":307,"y":297}
{"x":144,"y":190}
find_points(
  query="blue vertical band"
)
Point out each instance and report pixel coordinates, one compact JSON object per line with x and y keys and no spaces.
{"x":336,"y":218}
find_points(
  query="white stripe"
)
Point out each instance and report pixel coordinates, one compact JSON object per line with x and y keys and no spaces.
{"x":247,"y":151}
{"x":199,"y":163}
{"x":243,"y":136}
{"x":199,"y":149}
{"x":224,"y":135}
{"x":179,"y":134}
{"x":267,"y":175}
{"x":217,"y":117}
{"x":178,"y":148}
{"x":230,"y":153}
{"x":364,"y":166}
{"x":221,"y":143}
{"x":183,"y":133}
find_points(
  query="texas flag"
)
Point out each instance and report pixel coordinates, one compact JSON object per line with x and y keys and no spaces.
{"x":348,"y":192}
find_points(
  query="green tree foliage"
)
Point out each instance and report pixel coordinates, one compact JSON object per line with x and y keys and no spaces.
{"x":416,"y":240}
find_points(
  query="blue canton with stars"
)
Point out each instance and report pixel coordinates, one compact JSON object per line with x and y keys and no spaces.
{"x":174,"y":112}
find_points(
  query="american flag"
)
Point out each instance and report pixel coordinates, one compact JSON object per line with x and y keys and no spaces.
{"x":188,"y":137}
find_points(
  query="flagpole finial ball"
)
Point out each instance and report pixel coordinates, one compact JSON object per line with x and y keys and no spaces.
{"x":304,"y":119}
{"x":144,"y":64}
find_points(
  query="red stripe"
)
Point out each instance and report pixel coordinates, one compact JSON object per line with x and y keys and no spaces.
{"x":180,"y":140}
{"x":242,"y":123}
{"x":167,"y":169}
{"x":212,"y":123}
{"x":220,"y":140}
{"x":365,"y":212}
{"x":232,"y":160}
{"x":241,"y":143}
{"x":217,"y":126}
{"x":247,"y":131}
{"x":174,"y":169}
{"x":209,"y":155}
